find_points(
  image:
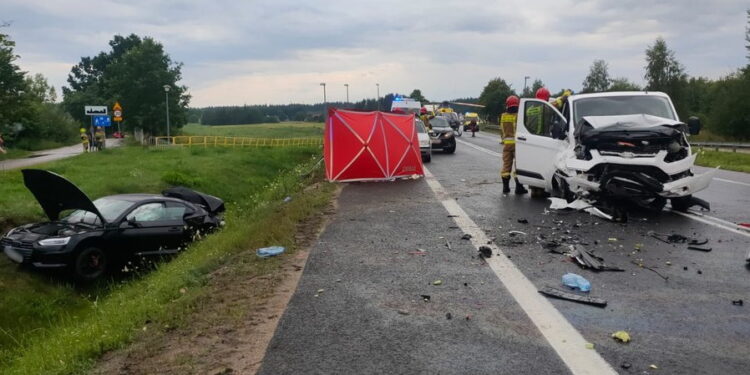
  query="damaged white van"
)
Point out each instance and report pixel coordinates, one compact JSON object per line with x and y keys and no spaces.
{"x":615,"y":147}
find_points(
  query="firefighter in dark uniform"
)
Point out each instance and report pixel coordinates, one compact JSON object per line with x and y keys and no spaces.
{"x":508,"y":133}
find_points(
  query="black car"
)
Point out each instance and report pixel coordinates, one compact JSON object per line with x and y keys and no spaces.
{"x":443,"y":136}
{"x":98,"y":235}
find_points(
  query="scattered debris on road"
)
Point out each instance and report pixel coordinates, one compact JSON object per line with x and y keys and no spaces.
{"x":561,"y":294}
{"x":625,"y":365}
{"x":437,"y":282}
{"x":589,"y":346}
{"x":523,"y":221}
{"x":738,"y":302}
{"x":266,"y":252}
{"x":448,"y":316}
{"x":485,"y":251}
{"x":640,"y":264}
{"x":587,"y":260}
{"x":621,"y":336}
{"x":403,"y":312}
{"x":576,"y":281}
{"x":425,"y":297}
{"x":699,"y":248}
{"x":448,"y":245}
{"x":466,"y":236}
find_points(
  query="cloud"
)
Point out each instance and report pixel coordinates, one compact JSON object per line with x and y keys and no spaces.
{"x":279,"y":51}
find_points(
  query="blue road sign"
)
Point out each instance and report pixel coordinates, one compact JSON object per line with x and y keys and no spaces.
{"x":102,"y":121}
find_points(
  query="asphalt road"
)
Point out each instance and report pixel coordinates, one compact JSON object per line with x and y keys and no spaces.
{"x":44,"y":156}
{"x":370,"y":316}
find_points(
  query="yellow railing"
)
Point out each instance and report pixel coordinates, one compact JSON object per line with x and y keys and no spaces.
{"x":217,"y":141}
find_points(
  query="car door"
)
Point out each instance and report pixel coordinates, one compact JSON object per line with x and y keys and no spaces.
{"x":153,"y":228}
{"x":536,"y":149}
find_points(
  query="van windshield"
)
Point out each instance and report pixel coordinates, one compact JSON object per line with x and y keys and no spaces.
{"x":622,"y":105}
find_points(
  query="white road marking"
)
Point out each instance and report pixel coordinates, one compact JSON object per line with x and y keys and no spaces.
{"x":731,"y":181}
{"x":706,"y":219}
{"x":715,"y":221}
{"x":559,"y":333}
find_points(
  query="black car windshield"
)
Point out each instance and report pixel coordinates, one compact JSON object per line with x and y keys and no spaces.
{"x":622,"y":105}
{"x":110,"y":208}
{"x":439,"y":122}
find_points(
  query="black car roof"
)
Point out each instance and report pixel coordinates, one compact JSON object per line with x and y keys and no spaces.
{"x":143,"y":197}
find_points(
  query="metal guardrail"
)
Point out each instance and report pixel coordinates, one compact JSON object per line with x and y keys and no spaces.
{"x":721,"y":145}
{"x":218,"y":141}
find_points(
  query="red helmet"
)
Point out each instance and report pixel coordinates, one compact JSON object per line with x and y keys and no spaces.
{"x":542,"y":94}
{"x":423,"y":110}
{"x":512,"y":101}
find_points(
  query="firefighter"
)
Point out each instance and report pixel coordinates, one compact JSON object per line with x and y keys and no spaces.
{"x":84,"y":140}
{"x":508,"y":131}
{"x":100,"y":137}
{"x":562,"y":99}
{"x":425,"y":118}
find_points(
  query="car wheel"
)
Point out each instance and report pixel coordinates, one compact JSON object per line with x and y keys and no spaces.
{"x":681,"y":203}
{"x":451,"y":147}
{"x":90,"y":263}
{"x":537,"y":192}
{"x":427,"y":158}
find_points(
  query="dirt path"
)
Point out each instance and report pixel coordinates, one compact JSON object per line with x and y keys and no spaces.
{"x":230,"y":328}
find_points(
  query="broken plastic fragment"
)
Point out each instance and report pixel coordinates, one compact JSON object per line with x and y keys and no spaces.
{"x":589,"y":345}
{"x":266,"y":252}
{"x":437,"y":282}
{"x":621,"y":336}
{"x":653,"y":367}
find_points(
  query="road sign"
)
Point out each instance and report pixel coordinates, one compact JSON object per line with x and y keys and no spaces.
{"x":102,"y":121}
{"x":117,"y":110}
{"x":95,"y":110}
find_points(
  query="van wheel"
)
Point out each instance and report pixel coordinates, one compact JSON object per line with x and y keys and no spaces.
{"x":89,"y":264}
{"x":537,"y":192}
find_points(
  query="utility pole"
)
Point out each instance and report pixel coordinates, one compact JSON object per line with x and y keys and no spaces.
{"x":166,"y":101}
{"x":347,"y":92}
{"x":524,"y":85}
{"x":378,"y":86}
{"x":324,"y":92}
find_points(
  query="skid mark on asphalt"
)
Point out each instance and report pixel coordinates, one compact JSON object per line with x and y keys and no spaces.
{"x":559,"y":333}
{"x":699,"y":217}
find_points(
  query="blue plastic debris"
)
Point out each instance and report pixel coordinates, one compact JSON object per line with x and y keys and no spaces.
{"x":575,"y":281}
{"x":272,"y":251}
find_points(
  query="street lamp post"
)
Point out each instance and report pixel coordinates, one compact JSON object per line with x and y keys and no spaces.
{"x":347,"y":92}
{"x":324,"y":92}
{"x":166,"y":101}
{"x":524,"y":84}
{"x":378,"y":86}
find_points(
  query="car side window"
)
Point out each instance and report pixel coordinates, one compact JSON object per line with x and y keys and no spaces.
{"x":175,"y":211}
{"x":149,"y":212}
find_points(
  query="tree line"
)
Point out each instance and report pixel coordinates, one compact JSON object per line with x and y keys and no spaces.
{"x":721,"y":104}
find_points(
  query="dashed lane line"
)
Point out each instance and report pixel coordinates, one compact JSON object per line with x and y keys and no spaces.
{"x":703,"y":218}
{"x":559,"y":333}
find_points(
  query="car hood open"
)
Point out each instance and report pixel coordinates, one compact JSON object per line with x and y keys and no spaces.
{"x":56,"y":194}
{"x":629,"y":122}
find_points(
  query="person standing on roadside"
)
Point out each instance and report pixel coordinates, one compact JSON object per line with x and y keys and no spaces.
{"x":508,"y":133}
{"x":2,"y":145}
{"x":425,"y":118}
{"x":100,"y":138}
{"x":84,"y":140}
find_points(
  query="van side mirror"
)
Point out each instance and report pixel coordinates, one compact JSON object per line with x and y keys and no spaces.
{"x":694,"y":125}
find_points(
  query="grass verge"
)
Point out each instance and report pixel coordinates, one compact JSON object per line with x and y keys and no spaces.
{"x":51,"y":327}
{"x":14,"y":153}
{"x":277,"y":130}
{"x":733,"y":161}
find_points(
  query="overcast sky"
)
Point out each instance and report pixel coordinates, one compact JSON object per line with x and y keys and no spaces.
{"x":258,"y":52}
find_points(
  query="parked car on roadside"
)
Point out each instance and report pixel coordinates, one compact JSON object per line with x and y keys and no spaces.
{"x":443,"y":136}
{"x":93,"y":237}
{"x":425,"y":142}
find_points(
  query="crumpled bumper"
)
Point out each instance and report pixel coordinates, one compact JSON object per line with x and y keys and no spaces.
{"x":688,"y":185}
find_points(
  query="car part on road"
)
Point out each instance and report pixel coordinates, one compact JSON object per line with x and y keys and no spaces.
{"x":738,"y":302}
{"x":485,"y":251}
{"x":523,"y":221}
{"x":437,"y":282}
{"x":590,"y":261}
{"x":466,"y":236}
{"x":621,"y":336}
{"x":666,"y":278}
{"x":699,"y":248}
{"x":561,"y":294}
{"x":267,"y":252}
{"x":575,"y":281}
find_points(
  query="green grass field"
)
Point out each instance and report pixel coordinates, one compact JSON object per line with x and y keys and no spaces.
{"x":14,"y":154}
{"x":733,"y":161}
{"x":279,"y":130}
{"x":48,"y":325}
